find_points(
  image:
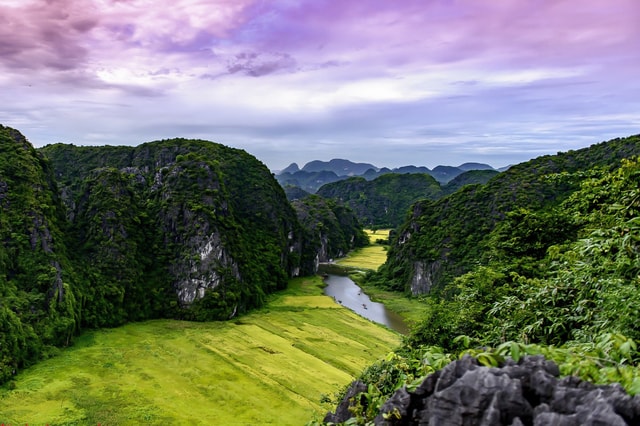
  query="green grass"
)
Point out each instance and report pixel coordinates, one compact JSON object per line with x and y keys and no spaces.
{"x":269,"y":367}
{"x":370,"y":257}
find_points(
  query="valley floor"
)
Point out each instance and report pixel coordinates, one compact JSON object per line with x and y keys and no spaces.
{"x":358,"y":261}
{"x":269,"y":367}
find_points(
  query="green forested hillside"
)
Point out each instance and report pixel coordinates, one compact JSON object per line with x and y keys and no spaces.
{"x":445,"y":238}
{"x":468,"y":178}
{"x":330,"y":231}
{"x":567,"y":273}
{"x":175,"y":217}
{"x":39,"y":305}
{"x":101,"y":236}
{"x":384,"y":201}
{"x":547,"y":262}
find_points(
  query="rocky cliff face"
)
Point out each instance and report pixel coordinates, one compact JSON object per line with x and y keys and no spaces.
{"x":38,"y":302}
{"x":528,"y":392}
{"x":330,"y":231}
{"x":183,"y":213}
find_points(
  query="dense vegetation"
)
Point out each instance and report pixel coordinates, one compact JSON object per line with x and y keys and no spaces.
{"x":470,"y":177}
{"x":543,"y":258}
{"x":445,"y":238}
{"x":550,"y":264}
{"x":569,"y":273}
{"x":330,"y":231}
{"x":101,"y":236}
{"x":384,"y":201}
{"x":38,"y":305}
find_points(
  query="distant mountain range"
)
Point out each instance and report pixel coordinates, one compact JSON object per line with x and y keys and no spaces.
{"x":316,"y":173}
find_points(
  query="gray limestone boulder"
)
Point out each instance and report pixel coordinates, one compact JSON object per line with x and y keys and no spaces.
{"x":528,"y":392}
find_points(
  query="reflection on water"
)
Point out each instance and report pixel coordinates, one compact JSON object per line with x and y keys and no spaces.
{"x":348,"y":294}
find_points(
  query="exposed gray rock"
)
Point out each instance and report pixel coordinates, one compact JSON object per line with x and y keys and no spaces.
{"x":349,"y":400}
{"x":423,"y":276}
{"x":525,"y":393}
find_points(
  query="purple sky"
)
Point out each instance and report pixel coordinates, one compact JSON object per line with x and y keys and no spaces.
{"x":389,"y":82}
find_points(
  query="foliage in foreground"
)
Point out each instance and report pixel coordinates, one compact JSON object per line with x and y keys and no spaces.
{"x":570,"y":291}
{"x":561,"y":281}
{"x":611,"y":358}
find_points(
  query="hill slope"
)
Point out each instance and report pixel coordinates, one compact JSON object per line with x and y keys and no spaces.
{"x":445,"y":238}
{"x":173,"y":218}
{"x":100,"y":236}
{"x":271,"y":367}
{"x":384,"y":201}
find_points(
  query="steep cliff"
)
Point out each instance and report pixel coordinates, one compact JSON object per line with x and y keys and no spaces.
{"x":38,"y":298}
{"x":191,"y":224}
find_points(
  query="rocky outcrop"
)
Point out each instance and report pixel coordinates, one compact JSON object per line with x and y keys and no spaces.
{"x":423,"y":276}
{"x":528,"y":392}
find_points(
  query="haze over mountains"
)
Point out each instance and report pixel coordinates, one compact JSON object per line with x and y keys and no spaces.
{"x":316,"y":173}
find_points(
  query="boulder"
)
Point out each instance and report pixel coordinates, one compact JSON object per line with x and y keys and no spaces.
{"x":527,"y":392}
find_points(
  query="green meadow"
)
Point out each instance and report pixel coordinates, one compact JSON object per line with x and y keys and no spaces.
{"x":273,"y":366}
{"x":369,"y":257}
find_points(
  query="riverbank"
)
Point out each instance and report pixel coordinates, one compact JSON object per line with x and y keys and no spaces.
{"x":347,"y":293}
{"x":271,"y":366}
{"x":358,"y":262}
{"x":411,"y":309}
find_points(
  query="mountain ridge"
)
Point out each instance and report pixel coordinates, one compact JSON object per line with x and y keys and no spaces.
{"x":316,"y":173}
{"x":443,"y":239}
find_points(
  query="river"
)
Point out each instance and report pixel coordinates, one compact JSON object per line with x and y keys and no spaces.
{"x":348,"y":294}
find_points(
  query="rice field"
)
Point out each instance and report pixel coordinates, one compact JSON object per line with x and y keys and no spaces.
{"x":272,"y":366}
{"x":370,"y":257}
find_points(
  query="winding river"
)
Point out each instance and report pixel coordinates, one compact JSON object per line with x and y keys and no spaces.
{"x":348,"y":294}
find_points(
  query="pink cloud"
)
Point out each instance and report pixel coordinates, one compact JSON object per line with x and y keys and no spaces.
{"x":342,"y":68}
{"x":510,"y":31}
{"x":44,"y":35}
{"x":69,"y":34}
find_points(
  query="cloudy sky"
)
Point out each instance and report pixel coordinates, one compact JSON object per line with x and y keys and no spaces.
{"x":389,"y":82}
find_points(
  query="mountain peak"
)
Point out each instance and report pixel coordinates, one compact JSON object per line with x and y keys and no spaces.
{"x":291,"y":168}
{"x":339,"y":166}
{"x":475,"y":166}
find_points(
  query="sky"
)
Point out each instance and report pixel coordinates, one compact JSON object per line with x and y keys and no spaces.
{"x":386,"y":82}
